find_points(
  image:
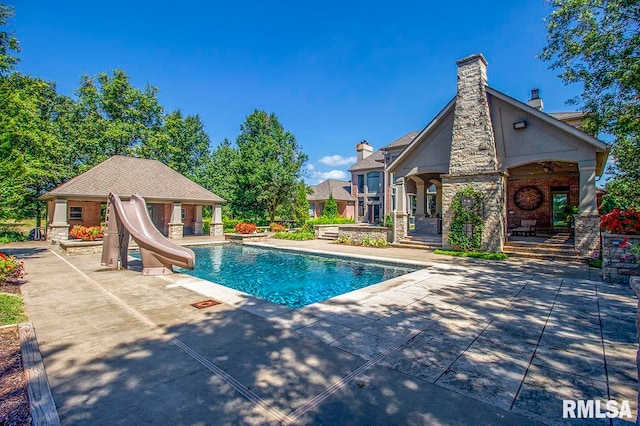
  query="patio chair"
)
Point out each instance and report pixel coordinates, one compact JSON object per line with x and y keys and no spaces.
{"x":527,"y":228}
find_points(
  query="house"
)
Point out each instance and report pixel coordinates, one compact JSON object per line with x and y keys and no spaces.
{"x":174,"y":201}
{"x":527,"y":163}
{"x":341,"y":192}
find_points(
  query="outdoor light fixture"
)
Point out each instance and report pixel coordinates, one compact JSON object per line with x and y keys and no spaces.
{"x":519,"y":125}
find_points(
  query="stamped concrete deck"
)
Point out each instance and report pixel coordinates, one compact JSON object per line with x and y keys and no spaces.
{"x":458,"y":342}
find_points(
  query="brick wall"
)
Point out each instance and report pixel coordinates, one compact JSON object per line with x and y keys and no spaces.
{"x":544,"y":183}
{"x":90,"y":213}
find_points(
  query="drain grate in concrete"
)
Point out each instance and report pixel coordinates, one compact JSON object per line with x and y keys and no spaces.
{"x":205,"y":304}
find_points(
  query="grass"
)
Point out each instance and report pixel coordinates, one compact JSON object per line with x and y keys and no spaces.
{"x":12,"y":309}
{"x":475,"y":254}
{"x":297,"y":236}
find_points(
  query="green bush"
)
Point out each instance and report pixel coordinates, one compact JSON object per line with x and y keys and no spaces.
{"x":8,"y":236}
{"x":367,"y":241}
{"x":595,"y":263}
{"x":230,"y":224}
{"x":300,"y":235}
{"x":323,"y":220}
{"x":475,"y":254}
{"x":468,"y":207}
{"x":206,"y":226}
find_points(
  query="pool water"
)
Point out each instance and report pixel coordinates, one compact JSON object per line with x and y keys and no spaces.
{"x":288,"y":278}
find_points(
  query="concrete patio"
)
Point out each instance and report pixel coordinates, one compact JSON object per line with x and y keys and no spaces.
{"x":459,"y":342}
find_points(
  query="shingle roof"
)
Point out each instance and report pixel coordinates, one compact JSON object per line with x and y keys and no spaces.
{"x":402,"y":141}
{"x":374,"y":161}
{"x":126,"y":176}
{"x":340,"y":190}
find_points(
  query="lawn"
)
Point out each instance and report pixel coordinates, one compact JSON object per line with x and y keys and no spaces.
{"x":12,"y":309}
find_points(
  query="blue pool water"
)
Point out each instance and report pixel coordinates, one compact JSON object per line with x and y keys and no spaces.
{"x":288,"y":278}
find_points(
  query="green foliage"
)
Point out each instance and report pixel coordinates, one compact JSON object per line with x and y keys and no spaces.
{"x":268,"y":167}
{"x":467,"y":224}
{"x":594,"y":263}
{"x":218,"y":175}
{"x":323,"y":220}
{"x":388,"y":221}
{"x":8,"y":42}
{"x":12,"y":309}
{"x":595,"y":43}
{"x":301,"y":235}
{"x":229,"y":224}
{"x":330,"y":208}
{"x":474,"y":254}
{"x":10,"y":236}
{"x":206,"y":225}
{"x":366,"y":241}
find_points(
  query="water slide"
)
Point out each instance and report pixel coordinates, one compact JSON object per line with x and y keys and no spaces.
{"x":131,"y":218}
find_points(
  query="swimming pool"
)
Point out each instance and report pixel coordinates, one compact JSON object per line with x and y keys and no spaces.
{"x":288,"y":278}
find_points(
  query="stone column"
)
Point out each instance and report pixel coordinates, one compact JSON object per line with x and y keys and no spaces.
{"x":58,"y":227}
{"x":587,"y":222}
{"x":176,"y":227}
{"x":401,"y":216}
{"x":420,"y":205}
{"x":217,"y":228}
{"x":197,"y":220}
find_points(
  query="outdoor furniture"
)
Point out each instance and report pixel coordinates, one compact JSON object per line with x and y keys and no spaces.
{"x":527,"y":228}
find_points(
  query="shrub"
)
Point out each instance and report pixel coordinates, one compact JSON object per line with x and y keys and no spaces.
{"x":245,"y":228}
{"x":621,"y":222}
{"x":388,"y":221}
{"x":87,"y":233}
{"x":230,"y":224}
{"x":300,"y":235}
{"x":374,"y":242}
{"x":475,"y":254}
{"x":8,"y":236}
{"x":206,"y":226}
{"x":11,"y":268}
{"x":323,"y":220}
{"x":330,"y":208}
{"x":276,"y":227}
{"x":467,"y":224}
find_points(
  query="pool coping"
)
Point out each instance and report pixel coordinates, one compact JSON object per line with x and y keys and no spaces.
{"x":267,"y":309}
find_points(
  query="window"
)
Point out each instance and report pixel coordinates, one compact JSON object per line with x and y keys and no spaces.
{"x":183,"y":214}
{"x":312,"y":209}
{"x":373,"y":182}
{"x":431,"y":200}
{"x":320,"y":208}
{"x":361,"y":207}
{"x":360,"y":184}
{"x":75,"y":212}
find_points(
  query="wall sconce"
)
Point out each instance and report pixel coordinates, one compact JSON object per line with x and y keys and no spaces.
{"x":519,"y":125}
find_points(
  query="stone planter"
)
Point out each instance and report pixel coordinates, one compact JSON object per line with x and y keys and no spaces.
{"x":71,"y":247}
{"x":618,"y":261}
{"x":244,"y":238}
{"x":359,"y":233}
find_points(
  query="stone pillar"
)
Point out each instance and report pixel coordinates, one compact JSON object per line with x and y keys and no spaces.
{"x":635,"y":286}
{"x":197,"y":220}
{"x":176,"y":227}
{"x":217,"y":228}
{"x":58,"y":227}
{"x":401,"y":216}
{"x":587,"y":223}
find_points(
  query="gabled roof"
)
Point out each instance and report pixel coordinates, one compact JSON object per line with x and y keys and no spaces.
{"x":340,"y":190}
{"x":402,"y":141}
{"x":374,"y":161}
{"x":125,"y":176}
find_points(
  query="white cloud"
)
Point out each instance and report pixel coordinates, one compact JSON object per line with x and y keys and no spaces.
{"x":337,"y":160}
{"x":310,"y":167}
{"x":331,"y":174}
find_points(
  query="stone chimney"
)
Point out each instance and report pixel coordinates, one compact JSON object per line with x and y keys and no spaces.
{"x":473,"y":146}
{"x":536,"y":100}
{"x":363,"y":150}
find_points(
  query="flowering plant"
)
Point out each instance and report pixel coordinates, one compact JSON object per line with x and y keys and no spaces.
{"x":11,"y":268}
{"x":87,"y":234}
{"x":245,"y":228}
{"x":621,"y":222}
{"x":276,"y":227}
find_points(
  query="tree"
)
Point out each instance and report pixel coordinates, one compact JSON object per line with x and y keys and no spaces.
{"x":268,"y":167}
{"x":8,"y":42}
{"x":36,"y":154}
{"x":114,"y":118}
{"x":181,"y":143}
{"x":218,"y":175}
{"x":597,"y":43}
{"x":298,"y":209}
{"x":331,"y":208}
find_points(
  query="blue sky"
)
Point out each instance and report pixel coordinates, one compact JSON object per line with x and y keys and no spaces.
{"x":334,"y":73}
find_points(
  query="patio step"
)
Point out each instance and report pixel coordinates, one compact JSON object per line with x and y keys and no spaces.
{"x":328,"y":235}
{"x":422,"y":244}
{"x":548,"y":251}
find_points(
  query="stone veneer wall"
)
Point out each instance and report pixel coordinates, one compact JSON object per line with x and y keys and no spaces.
{"x":176,"y":231}
{"x":359,"y":233}
{"x":635,"y":286}
{"x":402,"y":226}
{"x":492,"y":185}
{"x":618,"y":262}
{"x":587,"y":234}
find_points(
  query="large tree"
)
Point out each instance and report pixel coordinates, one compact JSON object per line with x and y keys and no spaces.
{"x":597,"y":43}
{"x":268,"y":167}
{"x":8,"y":42}
{"x":218,"y":175}
{"x":115,"y":118}
{"x":36,"y":152}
